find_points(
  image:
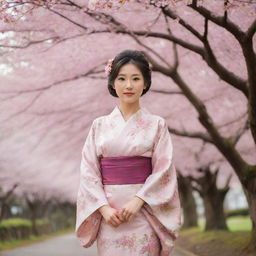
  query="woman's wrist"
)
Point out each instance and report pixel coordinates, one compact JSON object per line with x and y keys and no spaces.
{"x":139,"y":200}
{"x":103,"y":207}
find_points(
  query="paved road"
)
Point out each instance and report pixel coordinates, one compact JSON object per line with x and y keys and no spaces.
{"x":64,"y":245}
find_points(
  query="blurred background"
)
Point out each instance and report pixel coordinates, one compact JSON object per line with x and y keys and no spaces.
{"x":53,"y":85}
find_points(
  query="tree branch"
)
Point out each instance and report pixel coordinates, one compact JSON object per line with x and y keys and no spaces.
{"x":207,"y":54}
{"x":222,"y":21}
{"x":167,"y":92}
{"x":195,"y":135}
{"x":251,"y":30}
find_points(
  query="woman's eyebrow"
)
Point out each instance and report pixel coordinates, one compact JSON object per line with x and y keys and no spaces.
{"x":132,"y":74}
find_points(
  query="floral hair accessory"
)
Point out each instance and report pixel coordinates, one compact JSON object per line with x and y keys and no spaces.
{"x":108,"y":67}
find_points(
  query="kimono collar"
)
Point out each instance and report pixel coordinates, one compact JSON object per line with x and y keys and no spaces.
{"x":116,"y":113}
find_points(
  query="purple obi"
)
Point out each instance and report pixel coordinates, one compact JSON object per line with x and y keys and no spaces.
{"x":125,"y":169}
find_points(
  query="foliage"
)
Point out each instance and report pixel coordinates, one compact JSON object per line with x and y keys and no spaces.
{"x":238,"y":212}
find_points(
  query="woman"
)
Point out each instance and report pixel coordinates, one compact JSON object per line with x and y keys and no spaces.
{"x":128,"y":197}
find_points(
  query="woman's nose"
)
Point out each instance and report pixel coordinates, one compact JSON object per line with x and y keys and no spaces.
{"x":129,"y":83}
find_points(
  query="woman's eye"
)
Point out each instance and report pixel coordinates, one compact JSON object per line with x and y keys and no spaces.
{"x":121,"y":78}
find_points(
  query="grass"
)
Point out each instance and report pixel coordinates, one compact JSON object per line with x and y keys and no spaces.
{"x":217,"y":242}
{"x":239,"y":223}
{"x":14,"y":222}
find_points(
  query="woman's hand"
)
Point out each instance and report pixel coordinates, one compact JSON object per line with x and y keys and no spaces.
{"x":110,"y":215}
{"x":130,"y":209}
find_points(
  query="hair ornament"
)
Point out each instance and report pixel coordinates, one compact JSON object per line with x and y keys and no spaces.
{"x":108,"y":67}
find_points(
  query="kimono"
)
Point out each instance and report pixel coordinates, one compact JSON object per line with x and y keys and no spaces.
{"x":156,"y":226}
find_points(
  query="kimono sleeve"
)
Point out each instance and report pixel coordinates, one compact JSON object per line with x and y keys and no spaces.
{"x":91,"y":194}
{"x":160,"y":190}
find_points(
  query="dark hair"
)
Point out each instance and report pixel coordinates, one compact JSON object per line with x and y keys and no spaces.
{"x":129,"y":57}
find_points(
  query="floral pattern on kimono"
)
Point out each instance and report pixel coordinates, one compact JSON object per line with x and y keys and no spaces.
{"x":142,"y":134}
{"x":91,"y":194}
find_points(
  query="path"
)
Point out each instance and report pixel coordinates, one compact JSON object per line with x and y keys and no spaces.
{"x":64,"y":245}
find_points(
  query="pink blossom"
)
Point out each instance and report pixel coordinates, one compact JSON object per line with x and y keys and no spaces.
{"x":108,"y":67}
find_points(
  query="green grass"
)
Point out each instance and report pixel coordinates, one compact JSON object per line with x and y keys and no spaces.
{"x":33,"y":239}
{"x":236,"y":239}
{"x":218,"y":242}
{"x":238,"y":223}
{"x":14,"y":222}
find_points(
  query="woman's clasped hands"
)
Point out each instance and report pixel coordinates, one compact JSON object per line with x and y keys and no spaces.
{"x":115,"y":217}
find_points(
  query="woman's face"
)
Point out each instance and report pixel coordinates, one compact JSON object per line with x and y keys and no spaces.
{"x":129,"y":80}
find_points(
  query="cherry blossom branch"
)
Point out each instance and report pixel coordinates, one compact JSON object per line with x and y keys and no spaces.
{"x":240,"y":133}
{"x":219,"y":20}
{"x":197,"y":135}
{"x":167,"y":92}
{"x":251,"y":30}
{"x":207,"y":54}
{"x":86,"y":74}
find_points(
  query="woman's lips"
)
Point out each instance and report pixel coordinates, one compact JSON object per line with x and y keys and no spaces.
{"x":128,"y":94}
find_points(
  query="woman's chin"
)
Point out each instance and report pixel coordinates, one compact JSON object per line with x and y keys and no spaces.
{"x":129,"y":100}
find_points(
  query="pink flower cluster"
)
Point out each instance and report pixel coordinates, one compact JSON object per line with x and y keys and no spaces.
{"x":127,"y":241}
{"x":108,"y":67}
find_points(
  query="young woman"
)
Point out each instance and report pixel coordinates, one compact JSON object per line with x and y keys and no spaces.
{"x":128,"y":197}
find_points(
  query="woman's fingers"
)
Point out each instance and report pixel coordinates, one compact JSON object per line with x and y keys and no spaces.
{"x":115,"y":220}
{"x":121,"y":215}
{"x":121,"y":218}
{"x":128,"y":215}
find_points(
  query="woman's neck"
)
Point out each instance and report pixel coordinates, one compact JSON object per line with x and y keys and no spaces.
{"x":129,"y":109}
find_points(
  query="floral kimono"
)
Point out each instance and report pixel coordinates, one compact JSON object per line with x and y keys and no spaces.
{"x":153,"y":230}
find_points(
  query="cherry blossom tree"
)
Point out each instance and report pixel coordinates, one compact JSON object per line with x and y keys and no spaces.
{"x":188,"y":202}
{"x":68,"y":42}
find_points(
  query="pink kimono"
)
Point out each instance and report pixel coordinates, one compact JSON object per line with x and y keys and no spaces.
{"x":156,"y":226}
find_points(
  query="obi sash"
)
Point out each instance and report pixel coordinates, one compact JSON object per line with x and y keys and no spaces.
{"x":125,"y":169}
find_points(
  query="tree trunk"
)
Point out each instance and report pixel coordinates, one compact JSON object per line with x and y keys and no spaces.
{"x":43,"y":209}
{"x":2,"y":210}
{"x":213,"y":198}
{"x":33,"y":205}
{"x":246,"y":43}
{"x":33,"y":220}
{"x":5,"y":199}
{"x":214,"y":212}
{"x":250,"y":193}
{"x":187,"y":202}
{"x":249,"y":185}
